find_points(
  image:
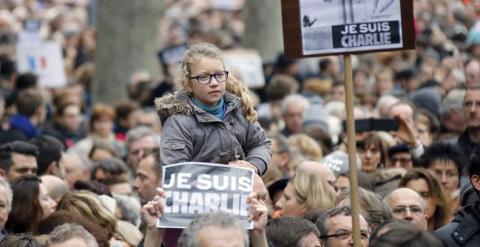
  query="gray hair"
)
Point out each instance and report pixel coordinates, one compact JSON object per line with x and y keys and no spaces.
{"x":130,"y":208}
{"x":377,"y":210}
{"x":219,"y":219}
{"x":8,"y":189}
{"x":82,"y":160}
{"x":138,"y":133}
{"x":385,"y":100}
{"x":67,"y":231}
{"x":322,"y":222}
{"x":292,"y":99}
{"x":282,"y":143}
{"x":452,"y":101}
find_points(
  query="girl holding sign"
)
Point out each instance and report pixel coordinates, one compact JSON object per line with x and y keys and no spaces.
{"x":212,"y":118}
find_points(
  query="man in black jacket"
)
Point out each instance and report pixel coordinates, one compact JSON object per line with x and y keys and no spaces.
{"x":470,"y":138}
{"x":465,"y":228}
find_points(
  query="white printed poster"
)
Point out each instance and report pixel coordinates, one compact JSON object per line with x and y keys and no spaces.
{"x":194,"y":188}
{"x":341,"y":26}
{"x":247,"y":66}
{"x":43,"y":59}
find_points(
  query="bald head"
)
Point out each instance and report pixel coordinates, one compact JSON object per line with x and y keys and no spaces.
{"x":259,"y":187}
{"x":472,"y":73}
{"x":404,"y":192}
{"x":408,"y":205}
{"x":56,"y":187}
{"x":317,"y":168}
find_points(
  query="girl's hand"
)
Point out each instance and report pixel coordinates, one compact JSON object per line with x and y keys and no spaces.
{"x":244,"y":164}
{"x":154,"y":209}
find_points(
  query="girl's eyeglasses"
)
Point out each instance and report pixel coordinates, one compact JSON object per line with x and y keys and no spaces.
{"x":221,"y":76}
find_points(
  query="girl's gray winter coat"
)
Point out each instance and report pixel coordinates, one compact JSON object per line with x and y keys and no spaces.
{"x":191,"y":134}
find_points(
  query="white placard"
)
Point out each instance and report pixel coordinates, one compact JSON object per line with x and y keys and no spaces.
{"x":230,"y":5}
{"x":246,"y":64}
{"x":43,"y":59}
{"x":194,"y":188}
{"x":336,"y":26}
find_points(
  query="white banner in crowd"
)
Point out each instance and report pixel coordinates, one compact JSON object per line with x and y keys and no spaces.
{"x":334,"y":26}
{"x":43,"y":59}
{"x":194,"y":188}
{"x":230,"y":5}
{"x":246,"y":65}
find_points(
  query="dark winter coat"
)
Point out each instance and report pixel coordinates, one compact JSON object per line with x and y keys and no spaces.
{"x":464,"y":229}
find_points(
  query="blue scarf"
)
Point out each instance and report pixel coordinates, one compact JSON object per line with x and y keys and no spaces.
{"x":218,"y":110}
{"x":23,"y":124}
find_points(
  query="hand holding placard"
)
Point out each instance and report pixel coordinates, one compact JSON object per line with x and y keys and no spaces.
{"x":150,"y":213}
{"x":244,"y":164}
{"x":258,"y":213}
{"x":154,"y":209}
{"x":259,"y":216}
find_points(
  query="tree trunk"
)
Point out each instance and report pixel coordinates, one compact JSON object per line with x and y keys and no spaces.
{"x":127,"y":41}
{"x":263,"y":28}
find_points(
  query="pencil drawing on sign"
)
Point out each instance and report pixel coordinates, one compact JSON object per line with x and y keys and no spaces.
{"x":307,"y":22}
{"x":382,"y":8}
{"x":339,"y":25}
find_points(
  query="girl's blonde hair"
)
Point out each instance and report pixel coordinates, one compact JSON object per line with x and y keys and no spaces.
{"x":312,"y":191}
{"x":194,"y":53}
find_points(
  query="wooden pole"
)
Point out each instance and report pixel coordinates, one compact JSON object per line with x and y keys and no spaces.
{"x":347,"y":61}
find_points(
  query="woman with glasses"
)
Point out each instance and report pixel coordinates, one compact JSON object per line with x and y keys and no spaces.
{"x":437,"y":209}
{"x":373,"y":154}
{"x":212,"y":118}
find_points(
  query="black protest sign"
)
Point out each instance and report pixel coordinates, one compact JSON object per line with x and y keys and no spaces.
{"x":366,"y":34}
{"x":194,"y":188}
{"x":316,"y":28}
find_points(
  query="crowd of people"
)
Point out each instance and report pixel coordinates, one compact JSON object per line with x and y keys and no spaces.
{"x":74,"y":172}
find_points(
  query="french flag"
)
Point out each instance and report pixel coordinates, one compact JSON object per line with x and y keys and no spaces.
{"x":37,"y":62}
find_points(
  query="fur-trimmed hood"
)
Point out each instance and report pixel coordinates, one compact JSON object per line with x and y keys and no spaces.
{"x":175,"y":103}
{"x":180,"y":103}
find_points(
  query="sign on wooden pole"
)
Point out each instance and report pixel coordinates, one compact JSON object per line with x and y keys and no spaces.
{"x":326,"y":27}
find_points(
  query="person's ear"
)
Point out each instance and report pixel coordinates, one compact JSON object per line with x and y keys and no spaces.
{"x":304,"y":209}
{"x":475,"y":180}
{"x":40,"y":111}
{"x":53,"y":168}
{"x":284,"y":158}
{"x":3,"y":173}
